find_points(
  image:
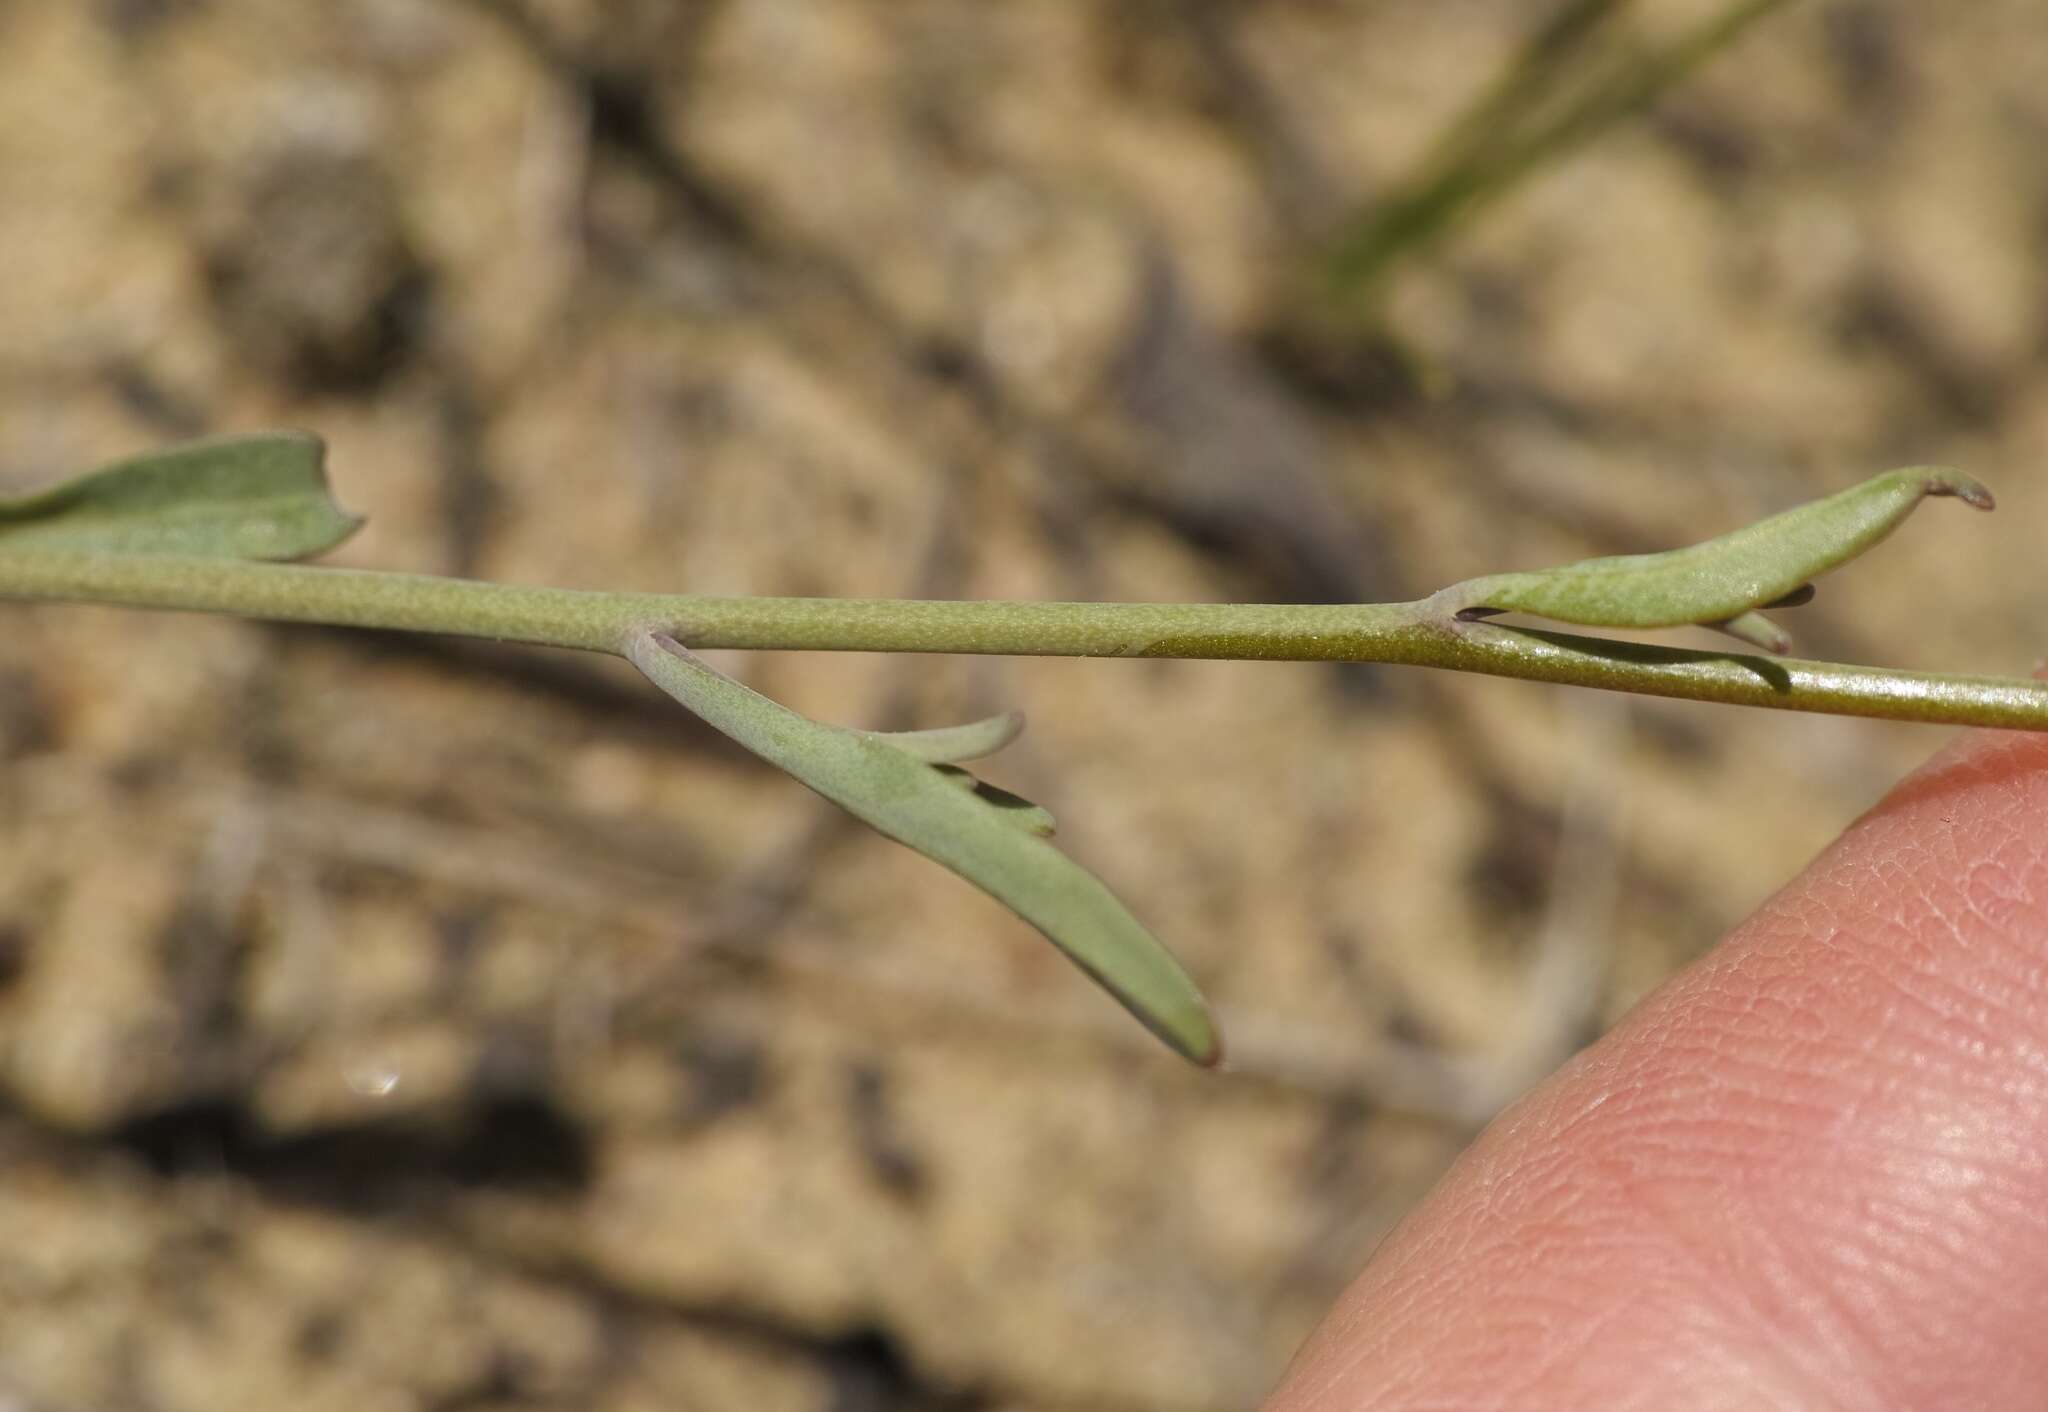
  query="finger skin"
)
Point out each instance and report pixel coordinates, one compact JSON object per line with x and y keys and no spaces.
{"x":1810,"y":1172}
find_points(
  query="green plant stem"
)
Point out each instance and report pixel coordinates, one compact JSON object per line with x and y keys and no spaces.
{"x":1412,"y":633}
{"x":1509,"y":133}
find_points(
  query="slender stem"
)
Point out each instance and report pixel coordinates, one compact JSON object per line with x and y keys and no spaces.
{"x":1413,"y":633}
{"x":360,"y":598}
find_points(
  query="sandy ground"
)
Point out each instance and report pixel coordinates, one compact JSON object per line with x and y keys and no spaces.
{"x":396,"y":1023}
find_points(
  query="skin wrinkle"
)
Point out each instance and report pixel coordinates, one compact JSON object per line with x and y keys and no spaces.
{"x":1810,"y":1172}
{"x":1903,"y":1240}
{"x":1860,"y":1251}
{"x":1808,"y":1288}
{"x":1703,"y":1267}
{"x":1556,"y":1353}
{"x":1699,"y":1269}
{"x":1522,"y":1387}
{"x":1921,"y":987}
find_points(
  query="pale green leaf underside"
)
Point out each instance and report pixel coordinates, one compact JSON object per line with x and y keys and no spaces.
{"x":239,"y":497}
{"x":993,"y":839}
{"x":1721,"y":582}
{"x":949,"y":745}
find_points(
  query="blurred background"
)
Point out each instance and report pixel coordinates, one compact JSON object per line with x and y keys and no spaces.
{"x":395,"y":1023}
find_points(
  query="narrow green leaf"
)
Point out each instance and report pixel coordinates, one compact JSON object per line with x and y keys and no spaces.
{"x":1721,"y":582}
{"x":240,"y":497}
{"x":949,"y":745}
{"x":991,"y":838}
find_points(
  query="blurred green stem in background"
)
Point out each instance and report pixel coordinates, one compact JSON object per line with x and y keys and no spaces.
{"x":1562,"y":90}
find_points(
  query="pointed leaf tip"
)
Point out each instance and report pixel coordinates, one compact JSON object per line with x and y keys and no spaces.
{"x":259,"y":496}
{"x":1942,"y":481}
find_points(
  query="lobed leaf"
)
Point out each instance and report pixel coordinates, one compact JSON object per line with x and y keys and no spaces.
{"x":262,"y":496}
{"x":989,"y":837}
{"x":1721,"y":582}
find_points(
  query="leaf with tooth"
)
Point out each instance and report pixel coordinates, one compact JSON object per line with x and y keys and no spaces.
{"x":949,"y":745}
{"x":1722,"y":582}
{"x":907,"y":786}
{"x":238,"y":497}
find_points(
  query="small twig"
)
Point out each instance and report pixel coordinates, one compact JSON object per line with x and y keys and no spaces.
{"x":1415,"y":634}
